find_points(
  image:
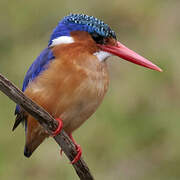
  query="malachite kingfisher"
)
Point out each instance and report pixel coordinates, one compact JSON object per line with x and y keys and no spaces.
{"x":70,"y":76}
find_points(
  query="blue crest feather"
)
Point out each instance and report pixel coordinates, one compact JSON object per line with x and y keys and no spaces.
{"x":81,"y":22}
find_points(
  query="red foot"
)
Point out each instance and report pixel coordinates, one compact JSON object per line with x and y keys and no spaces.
{"x":59,"y":128}
{"x":79,"y":153}
{"x":78,"y":149}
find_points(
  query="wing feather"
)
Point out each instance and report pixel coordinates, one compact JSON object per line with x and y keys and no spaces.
{"x":38,"y":66}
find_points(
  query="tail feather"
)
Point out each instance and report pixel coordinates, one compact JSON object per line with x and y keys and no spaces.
{"x":21,"y":117}
{"x":27,"y":152}
{"x":31,"y":146}
{"x":35,"y":135}
{"x":17,"y":122}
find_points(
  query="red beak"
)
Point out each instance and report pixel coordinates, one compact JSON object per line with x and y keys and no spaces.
{"x":129,"y":55}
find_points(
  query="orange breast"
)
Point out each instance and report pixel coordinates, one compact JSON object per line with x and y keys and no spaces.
{"x":71,"y":88}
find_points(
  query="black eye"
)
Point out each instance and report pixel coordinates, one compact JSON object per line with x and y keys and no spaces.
{"x":97,"y":38}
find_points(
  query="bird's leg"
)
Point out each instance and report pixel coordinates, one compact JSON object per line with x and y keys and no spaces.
{"x":78,"y":149}
{"x":59,"y":128}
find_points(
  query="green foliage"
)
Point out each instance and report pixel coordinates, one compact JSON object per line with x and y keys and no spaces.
{"x":134,"y":134}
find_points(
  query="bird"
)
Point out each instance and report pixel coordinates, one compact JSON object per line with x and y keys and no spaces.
{"x":70,"y":77}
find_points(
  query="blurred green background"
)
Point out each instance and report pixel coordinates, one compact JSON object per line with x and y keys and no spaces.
{"x":134,"y":135}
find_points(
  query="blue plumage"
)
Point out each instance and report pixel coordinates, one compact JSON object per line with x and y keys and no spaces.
{"x":39,"y":65}
{"x":81,"y":22}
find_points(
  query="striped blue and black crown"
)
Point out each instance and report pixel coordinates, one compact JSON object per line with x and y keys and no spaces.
{"x":81,"y":22}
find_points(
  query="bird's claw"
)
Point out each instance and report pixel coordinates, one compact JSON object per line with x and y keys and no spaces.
{"x":78,"y":156}
{"x":79,"y":153}
{"x":59,"y":128}
{"x":78,"y":147}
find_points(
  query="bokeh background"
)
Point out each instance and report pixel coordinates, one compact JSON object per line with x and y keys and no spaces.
{"x":135,"y":133}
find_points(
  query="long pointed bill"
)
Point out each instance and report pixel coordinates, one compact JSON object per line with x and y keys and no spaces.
{"x":129,"y":55}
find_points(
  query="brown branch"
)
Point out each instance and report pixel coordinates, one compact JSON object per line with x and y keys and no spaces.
{"x":48,"y":122}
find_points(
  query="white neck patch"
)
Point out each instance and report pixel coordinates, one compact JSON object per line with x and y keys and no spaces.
{"x":102,"y":55}
{"x":62,"y":40}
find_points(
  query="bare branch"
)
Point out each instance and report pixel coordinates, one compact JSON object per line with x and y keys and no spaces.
{"x":48,"y":122}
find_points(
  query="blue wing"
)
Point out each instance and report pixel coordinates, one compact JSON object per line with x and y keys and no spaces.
{"x":38,"y":66}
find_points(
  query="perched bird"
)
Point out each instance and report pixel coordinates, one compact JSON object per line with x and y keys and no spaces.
{"x":70,"y":77}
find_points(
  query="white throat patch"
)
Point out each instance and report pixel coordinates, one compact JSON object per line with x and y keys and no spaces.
{"x":102,"y":55}
{"x":62,"y":40}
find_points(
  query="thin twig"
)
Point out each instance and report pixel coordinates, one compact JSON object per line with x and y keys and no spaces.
{"x":48,"y":122}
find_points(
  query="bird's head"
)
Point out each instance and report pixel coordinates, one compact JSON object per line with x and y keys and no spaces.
{"x":90,"y":28}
